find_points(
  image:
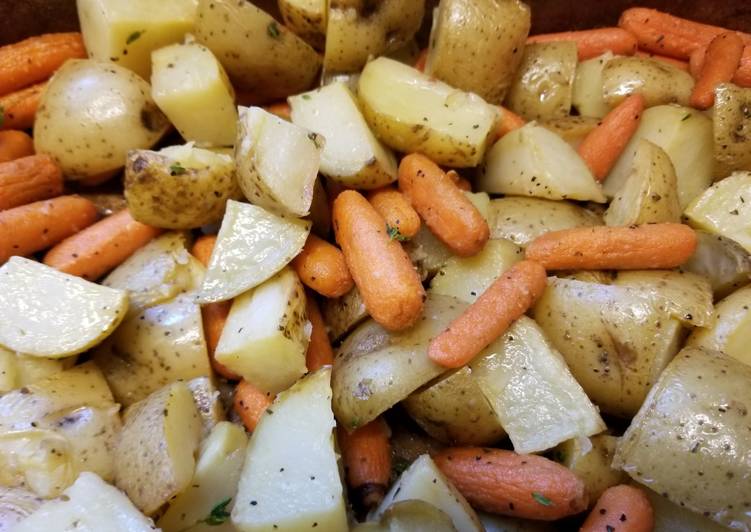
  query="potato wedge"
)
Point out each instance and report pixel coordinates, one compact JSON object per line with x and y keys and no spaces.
{"x":209,"y":403}
{"x":307,"y":18}
{"x":409,"y":111}
{"x":267,"y":333}
{"x":427,"y":252}
{"x":544,"y":83}
{"x":37,"y":459}
{"x":730,"y":332}
{"x":189,"y":84}
{"x":15,"y":505}
{"x":344,"y":313}
{"x":494,"y":31}
{"x":277,"y":162}
{"x":47,"y":313}
{"x":587,"y":97}
{"x":659,"y":82}
{"x":672,"y":128}
{"x":412,"y":514}
{"x":572,"y":129}
{"x":650,"y":193}
{"x":263,"y":58}
{"x":89,"y":504}
{"x":154,"y":457}
{"x":531,"y":390}
{"x":732,"y":129}
{"x":722,"y":209}
{"x":351,"y":154}
{"x":91,"y":114}
{"x":30,"y":369}
{"x":291,"y":457}
{"x":689,"y":440}
{"x":722,"y":261}
{"x":452,"y":409}
{"x":592,"y":461}
{"x":356,"y":30}
{"x":252,"y":245}
{"x":533,"y":161}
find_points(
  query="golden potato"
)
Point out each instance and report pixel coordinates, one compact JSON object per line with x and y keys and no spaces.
{"x":732,"y":129}
{"x":722,"y":261}
{"x":307,"y":18}
{"x":587,"y":97}
{"x":344,"y":313}
{"x":659,"y":82}
{"x":592,"y":461}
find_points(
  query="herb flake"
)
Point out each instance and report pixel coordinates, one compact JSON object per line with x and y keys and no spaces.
{"x":688,"y":115}
{"x":219,"y":514}
{"x":394,"y":233}
{"x":542,"y":499}
{"x":273,"y":30}
{"x":306,"y":96}
{"x":134,"y":36}
{"x":176,"y":169}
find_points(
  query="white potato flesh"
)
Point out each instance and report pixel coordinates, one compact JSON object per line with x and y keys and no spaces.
{"x":722,"y":261}
{"x":189,"y":84}
{"x":587,"y":95}
{"x":277,"y":162}
{"x":15,"y":505}
{"x":533,"y":161}
{"x":91,"y":114}
{"x":290,"y":479}
{"x":411,"y":112}
{"x":47,"y":313}
{"x":267,"y":333}
{"x":536,"y":399}
{"x":215,"y":479}
{"x":8,"y":370}
{"x":126,"y":31}
{"x":252,"y":245}
{"x":731,"y":332}
{"x":208,"y":402}
{"x":466,"y":278}
{"x":686,"y":136}
{"x":30,"y":369}
{"x":351,"y":154}
{"x":724,"y":210}
{"x":89,"y":505}
{"x":423,"y":481}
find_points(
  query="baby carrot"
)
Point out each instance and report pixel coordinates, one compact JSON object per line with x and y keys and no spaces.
{"x":447,"y":212}
{"x":250,"y":403}
{"x":664,"y":59}
{"x":603,"y":145}
{"x":19,"y":108}
{"x":14,"y":145}
{"x":214,"y":315}
{"x":367,"y":461}
{"x":319,"y":352}
{"x":508,"y":122}
{"x":280,"y":109}
{"x":621,"y":508}
{"x":99,"y":248}
{"x":37,"y":226}
{"x":400,"y":217}
{"x":637,"y":247}
{"x":489,"y":316}
{"x":322,"y":267}
{"x":591,"y":43}
{"x":29,"y":179}
{"x":742,"y":76}
{"x":504,"y":482}
{"x":388,"y":283}
{"x":459,"y":181}
{"x":720,"y":63}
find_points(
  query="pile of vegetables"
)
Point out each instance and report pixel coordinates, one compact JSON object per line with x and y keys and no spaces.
{"x":284,"y":271}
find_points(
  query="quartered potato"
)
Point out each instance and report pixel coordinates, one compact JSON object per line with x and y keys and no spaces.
{"x":650,"y":193}
{"x":690,"y":441}
{"x":47,"y":313}
{"x":411,"y":112}
{"x":252,"y":245}
{"x":409,"y":515}
{"x":91,"y":114}
{"x":723,"y":210}
{"x":533,"y":161}
{"x":731,"y":123}
{"x":544,"y":83}
{"x":587,"y":97}
{"x":572,"y":129}
{"x":535,"y":397}
{"x":277,"y":162}
{"x":659,"y":82}
{"x":179,"y":187}
{"x":307,"y":18}
{"x":209,"y":403}
{"x":344,"y":313}
{"x":15,"y":505}
{"x":592,"y":461}
{"x":262,"y":57}
{"x":722,"y":261}
{"x":351,"y":154}
{"x":290,"y":479}
{"x":495,"y":32}
{"x":154,"y":457}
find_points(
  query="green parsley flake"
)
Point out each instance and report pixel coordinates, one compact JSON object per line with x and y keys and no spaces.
{"x":219,"y":514}
{"x":306,"y":96}
{"x":176,"y":169}
{"x":686,"y":117}
{"x":394,"y":233}
{"x":542,"y":499}
{"x":273,"y":30}
{"x":134,"y":36}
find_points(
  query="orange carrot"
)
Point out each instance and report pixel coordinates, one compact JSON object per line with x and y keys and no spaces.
{"x":677,"y":63}
{"x":214,"y":315}
{"x":696,"y":61}
{"x":396,"y":210}
{"x":447,"y":212}
{"x":637,"y":247}
{"x":504,"y":482}
{"x":99,"y":248}
{"x":367,"y":461}
{"x":29,"y":179}
{"x":322,"y":267}
{"x":19,"y":108}
{"x":508,"y":122}
{"x":422,"y":60}
{"x":37,"y":226}
{"x":720,"y":63}
{"x":742,"y":76}
{"x":507,"y":299}
{"x":603,"y":145}
{"x":250,"y":403}
{"x":36,"y":58}
{"x":591,"y":43}
{"x":14,"y":145}
{"x":621,"y":508}
{"x":389,"y":285}
{"x":319,"y":352}
{"x":280,"y":109}
{"x":459,"y":181}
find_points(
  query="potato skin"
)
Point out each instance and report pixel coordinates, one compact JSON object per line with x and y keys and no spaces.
{"x":659,"y":82}
{"x":732,"y":129}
